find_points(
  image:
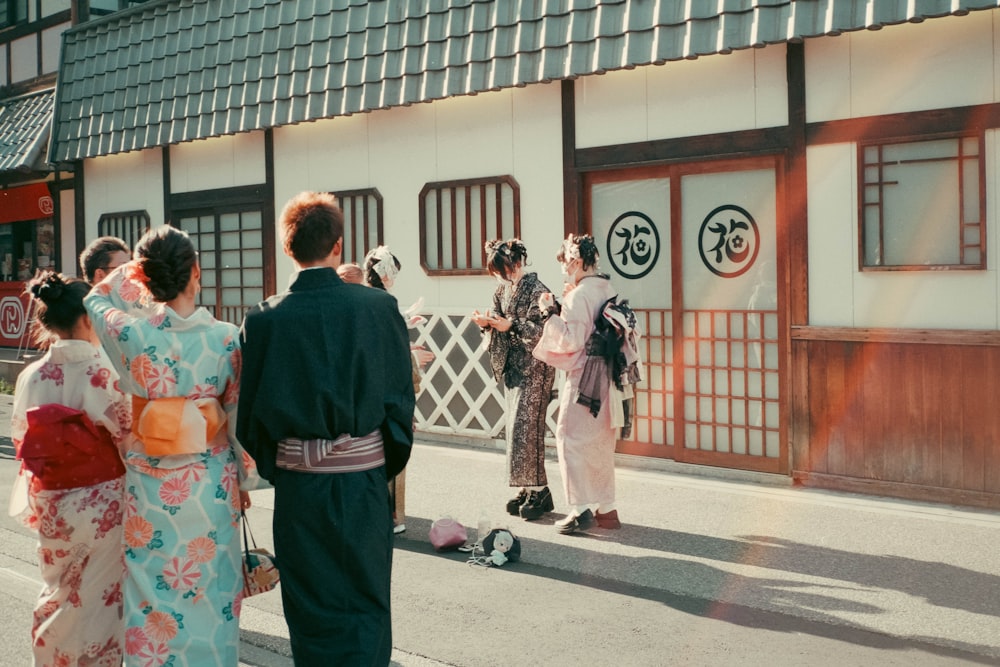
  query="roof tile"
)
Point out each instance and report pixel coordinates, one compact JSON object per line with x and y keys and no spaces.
{"x":241,"y":65}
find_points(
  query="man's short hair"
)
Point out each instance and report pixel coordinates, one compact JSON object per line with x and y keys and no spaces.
{"x":311,"y":224}
{"x":98,"y":254}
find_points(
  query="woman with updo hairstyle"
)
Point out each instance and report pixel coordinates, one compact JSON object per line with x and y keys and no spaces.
{"x":69,"y":420}
{"x":381,"y":268}
{"x":512,"y":328}
{"x":187,"y":476}
{"x":585,"y":438}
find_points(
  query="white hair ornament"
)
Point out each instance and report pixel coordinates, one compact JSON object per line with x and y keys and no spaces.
{"x":384,"y":266}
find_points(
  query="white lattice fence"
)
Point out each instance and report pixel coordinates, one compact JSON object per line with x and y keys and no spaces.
{"x":459,"y":395}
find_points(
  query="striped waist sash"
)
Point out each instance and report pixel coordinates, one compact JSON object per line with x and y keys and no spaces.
{"x":345,"y":454}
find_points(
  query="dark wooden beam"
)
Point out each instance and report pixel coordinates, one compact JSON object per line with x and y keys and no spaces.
{"x":922,"y":124}
{"x":727,"y":145}
{"x":571,"y":177}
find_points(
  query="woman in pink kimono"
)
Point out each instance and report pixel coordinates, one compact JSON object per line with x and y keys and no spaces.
{"x":585,"y":441}
{"x":68,"y":421}
{"x":183,"y":589}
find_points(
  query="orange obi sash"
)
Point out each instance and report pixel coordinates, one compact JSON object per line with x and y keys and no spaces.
{"x":64,"y":449}
{"x":177,"y":425}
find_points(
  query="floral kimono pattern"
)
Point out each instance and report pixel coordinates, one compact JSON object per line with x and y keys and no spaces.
{"x":78,"y":616}
{"x":183,"y":589}
{"x":527,"y":381}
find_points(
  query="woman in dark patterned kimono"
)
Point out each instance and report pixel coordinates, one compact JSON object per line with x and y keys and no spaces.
{"x":513,"y":327}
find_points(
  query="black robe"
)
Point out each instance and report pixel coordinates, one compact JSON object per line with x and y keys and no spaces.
{"x":323,"y":359}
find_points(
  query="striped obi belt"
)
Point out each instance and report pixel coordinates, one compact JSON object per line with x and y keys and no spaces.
{"x":344,"y":454}
{"x":178,"y":425}
{"x":64,"y":449}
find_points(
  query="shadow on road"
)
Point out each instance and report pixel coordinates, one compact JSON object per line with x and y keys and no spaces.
{"x":581,"y":566}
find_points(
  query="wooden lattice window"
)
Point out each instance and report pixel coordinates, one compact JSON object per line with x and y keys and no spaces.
{"x":230,"y":247}
{"x":129,"y":226}
{"x":458,"y":217}
{"x":362,"y":222}
{"x":923,"y":204}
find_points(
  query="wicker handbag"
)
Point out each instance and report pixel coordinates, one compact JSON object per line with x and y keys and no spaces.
{"x":260,"y":570}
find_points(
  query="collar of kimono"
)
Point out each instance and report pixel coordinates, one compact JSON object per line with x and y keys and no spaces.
{"x":69,"y":351}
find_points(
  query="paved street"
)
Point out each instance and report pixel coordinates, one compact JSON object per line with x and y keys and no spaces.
{"x":706,"y":571}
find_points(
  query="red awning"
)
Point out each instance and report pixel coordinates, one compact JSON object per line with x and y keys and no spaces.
{"x":28,"y":202}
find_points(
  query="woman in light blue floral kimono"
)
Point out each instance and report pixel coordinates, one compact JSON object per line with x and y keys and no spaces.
{"x":183,"y":587}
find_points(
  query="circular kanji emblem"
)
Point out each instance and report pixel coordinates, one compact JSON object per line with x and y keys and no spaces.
{"x":728,"y":241}
{"x":633,"y":245}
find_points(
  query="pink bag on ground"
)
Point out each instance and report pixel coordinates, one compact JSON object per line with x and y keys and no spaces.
{"x":447,"y":534}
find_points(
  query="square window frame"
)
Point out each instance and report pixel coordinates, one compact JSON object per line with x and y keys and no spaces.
{"x":960,"y":136}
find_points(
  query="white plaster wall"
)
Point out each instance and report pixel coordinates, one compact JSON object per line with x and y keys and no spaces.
{"x":51,"y":44}
{"x":398,"y":151}
{"x":123,"y":182}
{"x":3,"y":67}
{"x":23,"y":59}
{"x":219,"y":162}
{"x":942,"y":62}
{"x":721,"y":93}
{"x":832,"y":188}
{"x":841,"y":295}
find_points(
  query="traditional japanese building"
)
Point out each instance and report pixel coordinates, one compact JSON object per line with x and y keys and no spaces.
{"x":798,"y":196}
{"x":37,"y":199}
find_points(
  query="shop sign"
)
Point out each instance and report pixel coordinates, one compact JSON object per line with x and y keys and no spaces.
{"x":27,"y":202}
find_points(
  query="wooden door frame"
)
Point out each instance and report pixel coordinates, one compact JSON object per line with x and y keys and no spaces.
{"x":675,"y":172}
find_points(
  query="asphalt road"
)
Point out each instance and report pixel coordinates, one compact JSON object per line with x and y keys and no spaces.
{"x":704,"y":572}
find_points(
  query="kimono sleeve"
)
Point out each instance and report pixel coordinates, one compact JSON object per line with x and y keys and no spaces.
{"x":497,"y":343}
{"x":118,"y":306}
{"x":18,"y":504}
{"x":530,"y":326}
{"x":111,"y":408}
{"x":565,"y":335}
{"x":250,"y":432}
{"x":19,"y":409}
{"x":229,"y":377}
{"x":398,"y":401}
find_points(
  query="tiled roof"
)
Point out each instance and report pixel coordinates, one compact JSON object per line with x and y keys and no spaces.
{"x":178,"y":70}
{"x":24,"y":131}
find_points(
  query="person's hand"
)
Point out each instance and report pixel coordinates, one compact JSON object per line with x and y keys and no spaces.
{"x":422,"y":355}
{"x":568,"y":287}
{"x":546,"y":301}
{"x":245,"y":500}
{"x":415,"y":321}
{"x":501,"y":324}
{"x":482,"y":320}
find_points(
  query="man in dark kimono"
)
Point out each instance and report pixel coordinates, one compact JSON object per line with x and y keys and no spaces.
{"x":326,"y":410}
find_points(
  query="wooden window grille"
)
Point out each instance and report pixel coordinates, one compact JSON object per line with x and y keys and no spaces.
{"x":129,"y":226}
{"x":230,"y":245}
{"x":458,"y":217}
{"x":13,"y":12}
{"x":362,"y":222}
{"x":922,"y":204}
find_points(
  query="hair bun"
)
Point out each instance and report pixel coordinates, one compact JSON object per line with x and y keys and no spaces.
{"x":47,"y":286}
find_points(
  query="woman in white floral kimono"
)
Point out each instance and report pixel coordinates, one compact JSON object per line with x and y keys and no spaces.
{"x":68,"y":421}
{"x":183,"y":589}
{"x":585,"y":441}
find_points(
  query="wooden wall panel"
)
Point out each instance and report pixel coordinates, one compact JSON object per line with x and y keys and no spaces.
{"x":910,"y":419}
{"x":991,"y":464}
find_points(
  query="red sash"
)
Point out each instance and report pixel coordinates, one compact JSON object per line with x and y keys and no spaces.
{"x":64,"y":449}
